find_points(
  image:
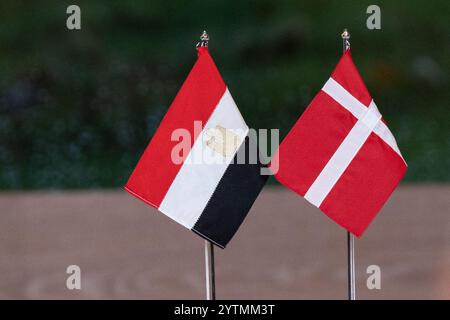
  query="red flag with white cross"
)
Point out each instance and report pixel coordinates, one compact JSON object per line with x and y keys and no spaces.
{"x":340,"y":155}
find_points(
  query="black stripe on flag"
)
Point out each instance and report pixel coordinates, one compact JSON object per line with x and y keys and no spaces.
{"x":231,"y":200}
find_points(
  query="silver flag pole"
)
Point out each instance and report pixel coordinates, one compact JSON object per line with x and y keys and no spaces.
{"x":351,"y":266}
{"x":209,"y":271}
{"x":209,"y":247}
{"x":350,"y":237}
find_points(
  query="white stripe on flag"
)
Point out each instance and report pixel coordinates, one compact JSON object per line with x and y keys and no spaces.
{"x":384,"y":133}
{"x":355,"y":107}
{"x":196,"y":181}
{"x":342,"y":157}
{"x":344,"y":98}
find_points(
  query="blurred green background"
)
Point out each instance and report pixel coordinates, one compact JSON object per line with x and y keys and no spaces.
{"x":77,"y":108}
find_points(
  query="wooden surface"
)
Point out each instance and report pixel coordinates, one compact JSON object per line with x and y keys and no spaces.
{"x":286,"y":249}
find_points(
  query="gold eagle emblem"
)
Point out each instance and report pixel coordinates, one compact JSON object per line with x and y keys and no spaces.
{"x":222,"y":140}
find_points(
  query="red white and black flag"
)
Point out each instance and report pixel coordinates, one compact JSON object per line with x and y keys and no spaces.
{"x":197,"y":168}
{"x":340,"y":155}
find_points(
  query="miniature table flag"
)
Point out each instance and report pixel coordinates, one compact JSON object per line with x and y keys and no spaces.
{"x":199,"y":181}
{"x":340,"y":155}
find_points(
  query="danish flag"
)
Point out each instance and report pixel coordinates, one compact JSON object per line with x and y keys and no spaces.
{"x":340,"y":155}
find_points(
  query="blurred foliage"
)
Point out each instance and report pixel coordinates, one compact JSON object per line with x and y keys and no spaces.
{"x":77,"y":108}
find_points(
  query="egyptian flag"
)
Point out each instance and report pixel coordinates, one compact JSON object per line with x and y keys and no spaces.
{"x":340,"y":155}
{"x":199,"y":168}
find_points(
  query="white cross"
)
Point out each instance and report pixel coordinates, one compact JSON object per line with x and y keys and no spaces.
{"x":369,"y":120}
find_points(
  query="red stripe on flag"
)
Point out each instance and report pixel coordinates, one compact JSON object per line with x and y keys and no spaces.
{"x":196,"y":100}
{"x":365,"y":186}
{"x":311,"y":142}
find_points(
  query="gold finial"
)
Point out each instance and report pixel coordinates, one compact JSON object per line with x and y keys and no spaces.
{"x":204,"y":38}
{"x":345,"y":39}
{"x":345,"y":35}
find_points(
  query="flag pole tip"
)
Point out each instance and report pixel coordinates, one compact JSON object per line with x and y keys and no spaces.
{"x":204,"y":39}
{"x":204,"y":36}
{"x":345,"y":35}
